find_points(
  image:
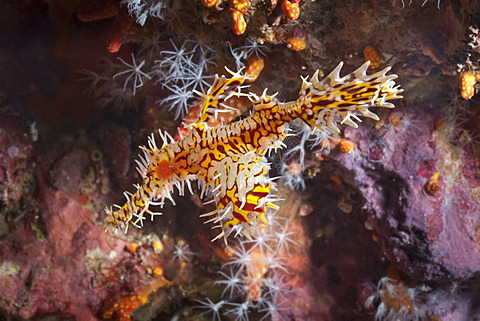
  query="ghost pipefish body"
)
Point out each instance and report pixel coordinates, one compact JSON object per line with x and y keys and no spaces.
{"x":230,"y":160}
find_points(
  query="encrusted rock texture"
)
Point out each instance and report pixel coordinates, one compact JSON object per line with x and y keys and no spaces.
{"x":405,"y":197}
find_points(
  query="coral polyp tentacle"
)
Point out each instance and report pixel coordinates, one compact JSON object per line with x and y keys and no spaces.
{"x":230,"y":160}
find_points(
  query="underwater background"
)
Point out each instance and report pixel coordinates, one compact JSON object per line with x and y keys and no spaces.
{"x":379,"y":222}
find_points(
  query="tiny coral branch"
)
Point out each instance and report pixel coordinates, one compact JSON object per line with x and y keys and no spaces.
{"x":230,"y":159}
{"x":133,"y":71}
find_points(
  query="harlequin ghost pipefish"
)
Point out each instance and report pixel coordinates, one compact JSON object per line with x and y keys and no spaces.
{"x":230,"y":161}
